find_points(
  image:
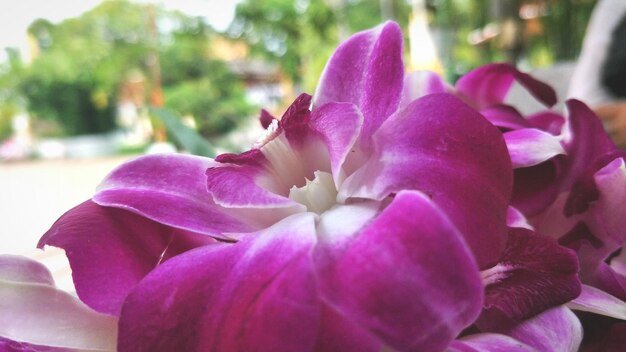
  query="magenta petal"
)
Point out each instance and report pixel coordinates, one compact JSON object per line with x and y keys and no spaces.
{"x":534,"y":274}
{"x":234,"y":186}
{"x":488,"y":85}
{"x":337,"y":334}
{"x":255,"y":295}
{"x":110,"y":250}
{"x":408,"y":277}
{"x":557,"y":329}
{"x":339,"y":125}
{"x":169,"y":189}
{"x":442,"y":147}
{"x":488,"y":343}
{"x":530,"y":146}
{"x":366,"y":70}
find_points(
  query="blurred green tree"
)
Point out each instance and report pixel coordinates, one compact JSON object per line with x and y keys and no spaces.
{"x":84,"y":61}
{"x":301,"y":35}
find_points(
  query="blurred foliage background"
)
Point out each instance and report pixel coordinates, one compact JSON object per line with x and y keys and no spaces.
{"x":80,"y":71}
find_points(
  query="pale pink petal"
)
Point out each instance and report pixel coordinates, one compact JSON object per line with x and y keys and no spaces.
{"x":21,"y":269}
{"x":36,"y":313}
{"x":488,"y":342}
{"x":557,"y":329}
{"x":597,"y":301}
{"x":530,"y":146}
{"x":515,"y":218}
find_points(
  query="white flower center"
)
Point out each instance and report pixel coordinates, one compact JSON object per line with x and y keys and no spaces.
{"x":318,"y":195}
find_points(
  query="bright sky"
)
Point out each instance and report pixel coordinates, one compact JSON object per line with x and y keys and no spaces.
{"x":15,"y":18}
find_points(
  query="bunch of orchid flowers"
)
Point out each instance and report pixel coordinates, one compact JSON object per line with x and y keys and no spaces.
{"x":389,"y":211}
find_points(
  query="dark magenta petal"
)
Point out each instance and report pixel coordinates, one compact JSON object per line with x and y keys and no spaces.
{"x":255,"y":295}
{"x":265,"y":118}
{"x":110,"y":250}
{"x":589,"y":149}
{"x":548,"y":121}
{"x":505,"y":117}
{"x":169,"y":189}
{"x":535,"y":187}
{"x":557,"y":329}
{"x":488,"y":85}
{"x":446,"y":149}
{"x":534,"y":274}
{"x":408,"y":277}
{"x":366,"y":70}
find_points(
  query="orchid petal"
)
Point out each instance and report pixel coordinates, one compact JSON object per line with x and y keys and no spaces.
{"x":21,"y":269}
{"x":255,"y":295}
{"x":265,"y":118}
{"x":420,"y":83}
{"x":597,"y":301}
{"x":408,"y":277}
{"x":548,"y":121}
{"x":536,"y":188}
{"x":339,"y":125}
{"x":34,"y":312}
{"x":488,"y":342}
{"x":235,"y":185}
{"x":366,"y":70}
{"x":442,"y":147}
{"x":557,"y":329}
{"x":534,"y":274}
{"x":515,"y":218}
{"x":110,"y":250}
{"x":488,"y":85}
{"x":530,"y":146}
{"x":337,"y":334}
{"x":169,"y":189}
{"x":608,"y":212}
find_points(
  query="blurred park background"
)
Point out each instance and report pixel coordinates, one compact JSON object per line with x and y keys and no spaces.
{"x":79,"y":80}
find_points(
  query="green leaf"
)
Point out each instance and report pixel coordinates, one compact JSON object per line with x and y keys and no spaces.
{"x":187,"y":137}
